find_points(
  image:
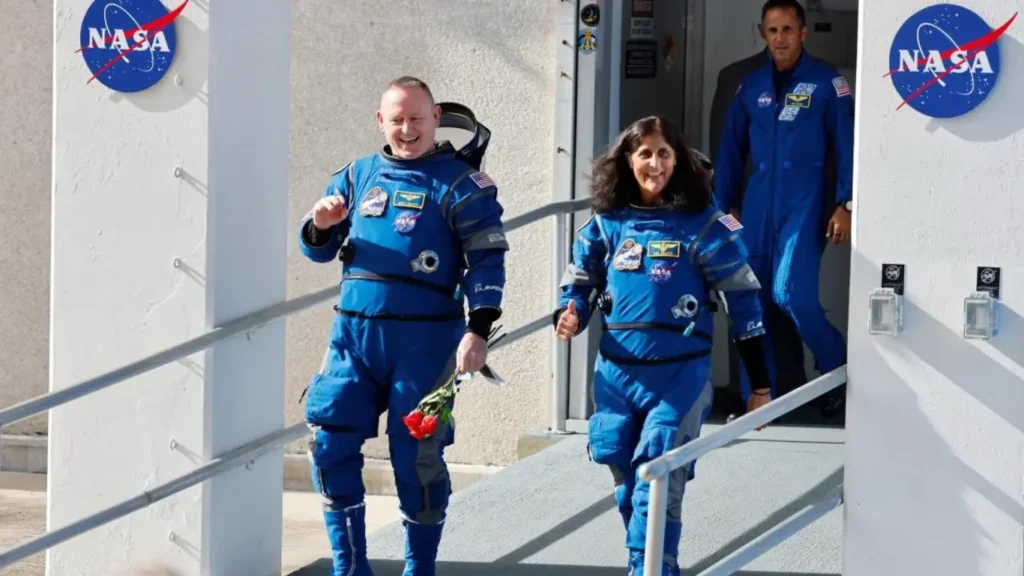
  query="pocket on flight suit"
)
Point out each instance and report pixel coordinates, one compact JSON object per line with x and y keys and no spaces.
{"x":344,"y":395}
{"x":612,"y":438}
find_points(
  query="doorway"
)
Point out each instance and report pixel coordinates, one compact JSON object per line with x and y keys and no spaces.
{"x":667,"y":57}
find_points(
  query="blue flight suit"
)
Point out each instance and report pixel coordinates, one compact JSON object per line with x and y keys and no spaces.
{"x":420,"y":234}
{"x":788,"y":123}
{"x":652,"y":272}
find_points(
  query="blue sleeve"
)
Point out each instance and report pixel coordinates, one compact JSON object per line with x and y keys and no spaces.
{"x":839,"y":122}
{"x":585,"y":276}
{"x":722,"y":258}
{"x":474,"y":213}
{"x":323,"y":246}
{"x":732,"y":154}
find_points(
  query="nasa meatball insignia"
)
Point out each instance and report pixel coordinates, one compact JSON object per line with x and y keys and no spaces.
{"x":945,"y":60}
{"x":128,"y":45}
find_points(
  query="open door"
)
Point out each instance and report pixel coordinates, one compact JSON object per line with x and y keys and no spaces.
{"x":634,"y":58}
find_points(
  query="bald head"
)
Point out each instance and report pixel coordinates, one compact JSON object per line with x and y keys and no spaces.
{"x":408,"y":117}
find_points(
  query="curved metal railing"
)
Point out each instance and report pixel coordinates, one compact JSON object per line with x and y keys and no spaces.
{"x":259,"y":446}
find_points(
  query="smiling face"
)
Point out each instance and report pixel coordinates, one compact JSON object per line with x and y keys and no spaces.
{"x":409,"y":119}
{"x":785,"y":35}
{"x":653,"y":163}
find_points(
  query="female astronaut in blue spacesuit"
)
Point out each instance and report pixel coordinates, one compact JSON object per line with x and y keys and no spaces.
{"x":649,"y":259}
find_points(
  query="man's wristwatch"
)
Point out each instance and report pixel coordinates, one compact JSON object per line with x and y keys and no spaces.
{"x":848,"y":206}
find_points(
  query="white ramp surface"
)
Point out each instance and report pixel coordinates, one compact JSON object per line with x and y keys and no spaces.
{"x":554,"y":513}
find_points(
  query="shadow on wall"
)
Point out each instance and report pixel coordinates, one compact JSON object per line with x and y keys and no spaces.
{"x":998,"y":117}
{"x":940,"y":494}
{"x":190,"y":64}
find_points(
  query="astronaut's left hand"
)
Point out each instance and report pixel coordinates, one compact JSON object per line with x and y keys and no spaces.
{"x":472,"y":353}
{"x":839,"y":226}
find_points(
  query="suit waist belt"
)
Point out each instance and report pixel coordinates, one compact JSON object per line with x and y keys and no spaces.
{"x":686,"y":357}
{"x":403,"y":317}
{"x":699,"y":334}
{"x":379,"y":277}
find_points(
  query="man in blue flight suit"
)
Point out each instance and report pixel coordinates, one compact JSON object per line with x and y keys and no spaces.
{"x":416,"y":226}
{"x":787,"y":115}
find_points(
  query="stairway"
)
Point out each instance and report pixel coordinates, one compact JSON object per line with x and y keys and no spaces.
{"x":553,"y":513}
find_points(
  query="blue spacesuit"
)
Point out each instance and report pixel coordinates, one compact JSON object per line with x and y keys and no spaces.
{"x":419,"y":235}
{"x":788,"y":122}
{"x":652,"y":271}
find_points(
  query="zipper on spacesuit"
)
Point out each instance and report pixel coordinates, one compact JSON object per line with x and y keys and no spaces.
{"x":771,"y":171}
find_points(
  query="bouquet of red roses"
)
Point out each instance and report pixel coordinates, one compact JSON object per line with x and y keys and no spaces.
{"x":436,"y":406}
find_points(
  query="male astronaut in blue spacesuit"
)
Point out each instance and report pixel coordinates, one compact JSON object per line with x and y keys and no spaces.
{"x":787,"y":115}
{"x":413,"y":224}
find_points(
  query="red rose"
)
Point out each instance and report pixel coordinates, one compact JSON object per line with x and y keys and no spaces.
{"x":413,"y":421}
{"x":429,"y":425}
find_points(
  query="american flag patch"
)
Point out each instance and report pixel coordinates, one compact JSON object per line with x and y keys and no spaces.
{"x":842,"y":88}
{"x":731,"y":223}
{"x":481,"y":179}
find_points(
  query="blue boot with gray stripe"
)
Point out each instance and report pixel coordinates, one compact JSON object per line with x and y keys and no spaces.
{"x":346,"y":530}
{"x":421,"y":542}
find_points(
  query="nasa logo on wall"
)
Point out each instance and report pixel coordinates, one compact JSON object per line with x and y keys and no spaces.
{"x":129,"y":45}
{"x":945,"y":61}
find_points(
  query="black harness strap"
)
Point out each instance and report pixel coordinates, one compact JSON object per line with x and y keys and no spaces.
{"x":402,"y":317}
{"x":699,"y":334}
{"x":398,"y":278}
{"x":656,"y":361}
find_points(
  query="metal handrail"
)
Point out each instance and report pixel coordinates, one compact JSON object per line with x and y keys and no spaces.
{"x":657,"y":471}
{"x":246,"y":323}
{"x":228,"y":461}
{"x":236,"y":457}
{"x":216,"y":466}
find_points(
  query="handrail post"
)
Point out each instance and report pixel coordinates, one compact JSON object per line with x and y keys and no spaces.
{"x":657,"y":509}
{"x":560,"y":350}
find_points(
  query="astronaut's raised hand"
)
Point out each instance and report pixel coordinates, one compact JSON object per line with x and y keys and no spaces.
{"x":568,"y":322}
{"x":472,"y":353}
{"x":328,"y":211}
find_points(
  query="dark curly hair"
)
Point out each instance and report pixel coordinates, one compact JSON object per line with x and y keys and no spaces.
{"x":614,"y":187}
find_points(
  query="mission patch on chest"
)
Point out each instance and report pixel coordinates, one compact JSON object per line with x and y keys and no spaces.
{"x":663,"y":249}
{"x":413,"y":200}
{"x":798,"y":100}
{"x":805,"y":88}
{"x":374,"y":202}
{"x":629,"y":255}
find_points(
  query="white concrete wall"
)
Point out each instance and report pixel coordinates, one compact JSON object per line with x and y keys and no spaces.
{"x":494,"y":56}
{"x":121,"y":218}
{"x":26,"y":59}
{"x":935,"y":449}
